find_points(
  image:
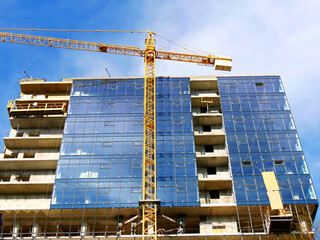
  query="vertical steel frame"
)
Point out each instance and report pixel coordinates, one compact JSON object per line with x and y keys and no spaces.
{"x":149,"y":206}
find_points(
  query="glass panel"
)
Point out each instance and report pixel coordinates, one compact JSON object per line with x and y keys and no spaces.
{"x":259,"y":127}
{"x":103,"y":144}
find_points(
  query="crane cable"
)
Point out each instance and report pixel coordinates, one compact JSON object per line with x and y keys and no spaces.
{"x":183,"y":45}
{"x":71,"y":30}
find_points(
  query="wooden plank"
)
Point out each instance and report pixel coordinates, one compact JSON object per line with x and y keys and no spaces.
{"x":270,"y":181}
{"x":275,"y":200}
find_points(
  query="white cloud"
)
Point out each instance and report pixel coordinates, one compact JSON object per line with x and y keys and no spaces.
{"x":263,"y":37}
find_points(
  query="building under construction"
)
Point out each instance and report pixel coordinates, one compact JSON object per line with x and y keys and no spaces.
{"x":229,"y":160}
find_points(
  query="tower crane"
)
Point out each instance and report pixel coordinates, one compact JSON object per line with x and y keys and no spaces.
{"x":149,"y":202}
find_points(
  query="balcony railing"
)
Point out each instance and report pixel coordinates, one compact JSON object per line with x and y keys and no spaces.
{"x":36,"y":108}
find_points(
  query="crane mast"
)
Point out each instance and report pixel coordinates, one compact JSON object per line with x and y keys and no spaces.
{"x":149,"y":203}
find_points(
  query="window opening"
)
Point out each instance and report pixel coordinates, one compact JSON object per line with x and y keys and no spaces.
{"x":5,"y":178}
{"x":214,"y":194}
{"x":219,"y":227}
{"x":208,"y":148}
{"x":279,"y":162}
{"x":103,"y":190}
{"x":106,"y":144}
{"x":246,"y":163}
{"x":259,"y":84}
{"x":34,"y":134}
{"x":206,"y":128}
{"x":108,"y":123}
{"x":203,"y":110}
{"x":212,"y":170}
{"x":10,"y":155}
{"x":29,"y":155}
{"x":235,"y":102}
{"x":180,"y":164}
{"x":19,"y":134}
{"x":23,"y":177}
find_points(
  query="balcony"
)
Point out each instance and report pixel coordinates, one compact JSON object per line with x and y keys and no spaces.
{"x":46,"y":141}
{"x":203,"y":100}
{"x":214,"y":178}
{"x":33,"y":87}
{"x":213,"y":118}
{"x":216,"y":197}
{"x":37,"y":107}
{"x":213,"y":160}
{"x":206,"y":110}
{"x":219,"y":208}
{"x":204,"y":83}
{"x":213,"y":172}
{"x":209,"y":153}
{"x":25,"y":202}
{"x":41,"y":121}
{"x":209,"y":135}
{"x":204,"y":93}
{"x":215,"y":183}
{"x":26,"y":182}
{"x":28,"y":161}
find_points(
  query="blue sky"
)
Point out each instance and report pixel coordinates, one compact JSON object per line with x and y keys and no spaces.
{"x":263,"y":37}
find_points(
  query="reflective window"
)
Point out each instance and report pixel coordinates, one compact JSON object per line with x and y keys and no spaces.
{"x":261,"y":136}
{"x":102,"y":148}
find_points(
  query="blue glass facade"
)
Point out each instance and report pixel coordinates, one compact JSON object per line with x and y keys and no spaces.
{"x":261,"y":136}
{"x":100,"y":164}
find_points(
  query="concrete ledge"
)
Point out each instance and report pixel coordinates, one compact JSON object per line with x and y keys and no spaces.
{"x":209,"y":138}
{"x":196,"y":101}
{"x":33,"y":142}
{"x":203,"y":83}
{"x":207,"y":118}
{"x":217,"y":160}
{"x":215,"y":184}
{"x":26,"y":187}
{"x":28,"y":164}
{"x":51,"y":121}
{"x":29,"y":87}
{"x":30,"y":202}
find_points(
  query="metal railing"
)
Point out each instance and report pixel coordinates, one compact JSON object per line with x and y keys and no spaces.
{"x":35,"y":106}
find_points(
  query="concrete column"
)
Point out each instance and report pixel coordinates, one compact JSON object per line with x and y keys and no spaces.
{"x":15,"y":230}
{"x":134,"y":228}
{"x":119,"y":225}
{"x":35,"y":230}
{"x":83,"y":229}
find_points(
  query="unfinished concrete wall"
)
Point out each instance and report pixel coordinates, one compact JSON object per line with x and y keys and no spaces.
{"x":218,"y":224}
